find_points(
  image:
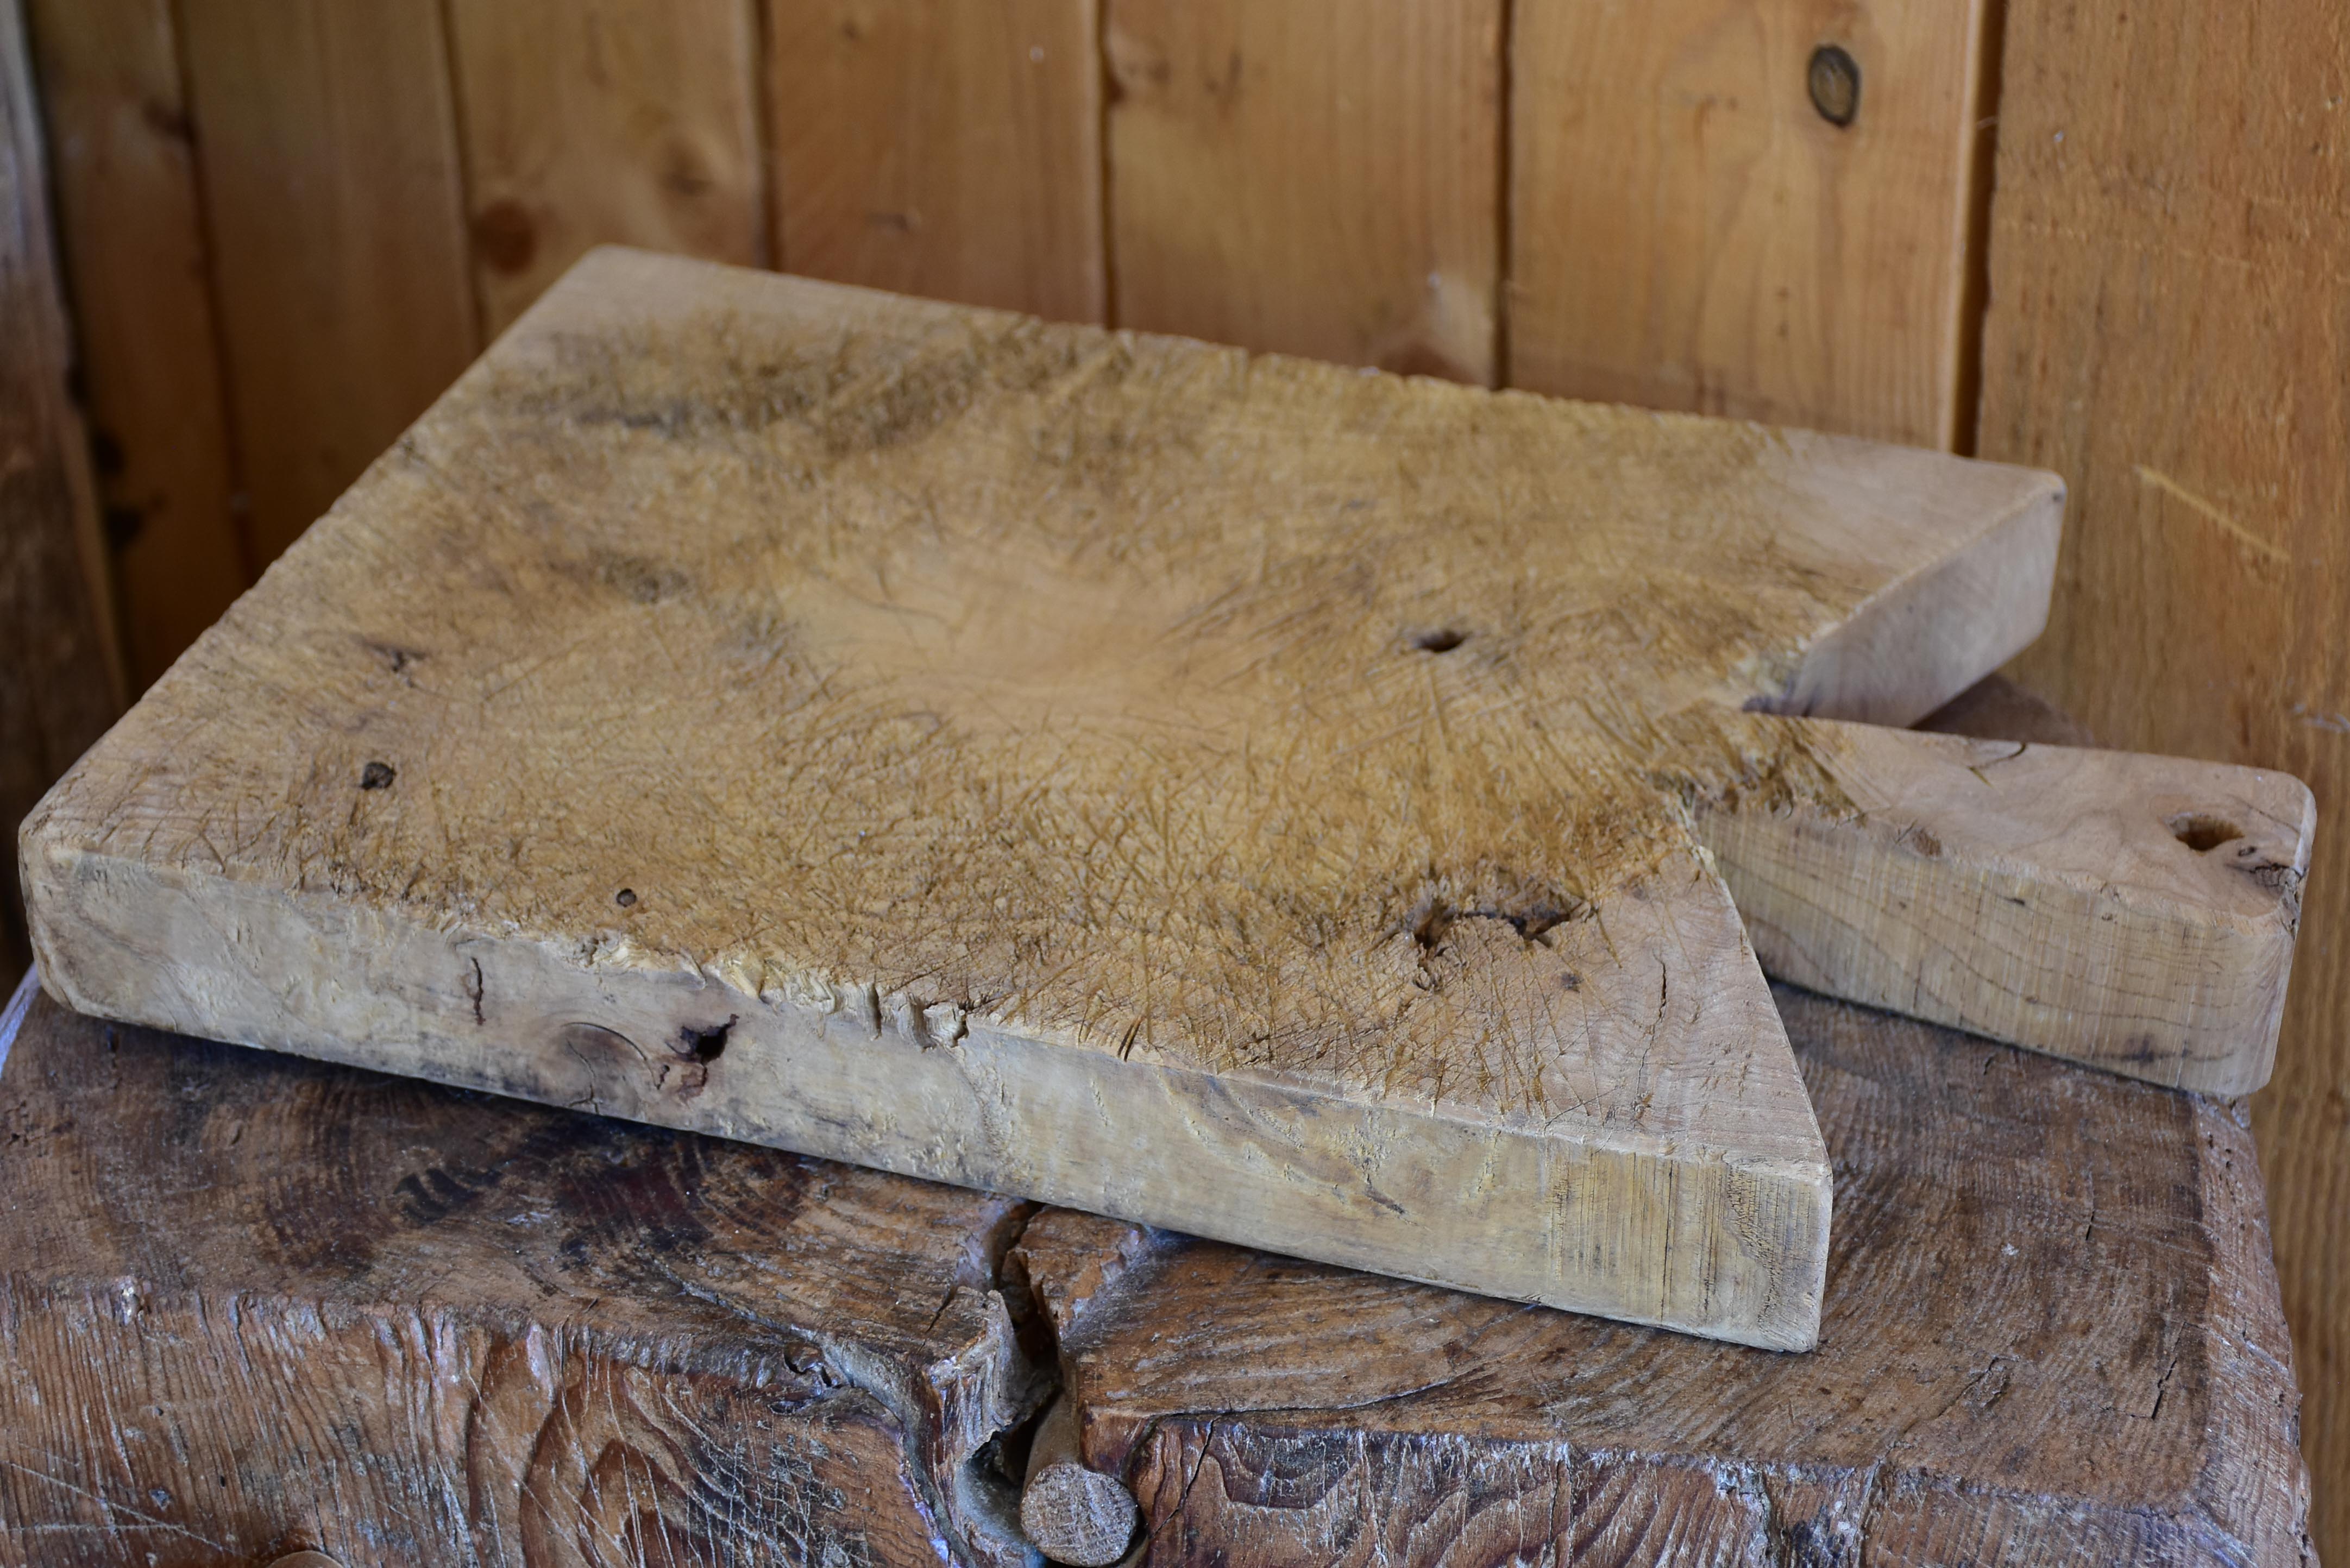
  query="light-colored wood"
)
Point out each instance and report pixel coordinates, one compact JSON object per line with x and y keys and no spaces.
{"x":2169,"y":325}
{"x":327,"y":157}
{"x":588,"y":122}
{"x":60,"y":675}
{"x":2137,"y":913}
{"x":1074,"y":1515}
{"x":1054,"y":761}
{"x":2051,"y":1335}
{"x":1319,"y":178}
{"x":1687,"y":231}
{"x":951,"y":151}
{"x":132,"y":244}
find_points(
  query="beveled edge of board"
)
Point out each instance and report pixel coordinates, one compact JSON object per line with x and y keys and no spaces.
{"x":1923,"y":638}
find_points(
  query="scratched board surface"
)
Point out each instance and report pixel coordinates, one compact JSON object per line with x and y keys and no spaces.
{"x":1227,"y":792}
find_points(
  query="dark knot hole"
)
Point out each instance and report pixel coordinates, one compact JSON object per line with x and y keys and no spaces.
{"x":703,"y":1046}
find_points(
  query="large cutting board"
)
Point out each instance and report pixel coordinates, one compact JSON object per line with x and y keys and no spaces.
{"x":1248,"y":796}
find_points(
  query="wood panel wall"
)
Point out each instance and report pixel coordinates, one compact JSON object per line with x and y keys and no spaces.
{"x":2170,"y":328}
{"x":287,"y":223}
{"x":60,"y":684}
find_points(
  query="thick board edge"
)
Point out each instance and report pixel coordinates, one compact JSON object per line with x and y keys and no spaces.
{"x":1627,"y":1226}
{"x":1924,"y":639}
{"x":2134,"y":913}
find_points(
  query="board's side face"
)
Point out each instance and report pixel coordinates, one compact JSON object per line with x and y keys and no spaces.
{"x":1253,"y":722}
{"x":1717,"y":1224}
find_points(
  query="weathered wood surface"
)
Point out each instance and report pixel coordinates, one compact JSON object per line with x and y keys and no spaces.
{"x":1049,"y":760}
{"x":2168,"y":325}
{"x":250,"y":1304}
{"x":1071,"y":1512}
{"x":2051,"y":1335}
{"x":61,"y":681}
{"x":2137,"y":913}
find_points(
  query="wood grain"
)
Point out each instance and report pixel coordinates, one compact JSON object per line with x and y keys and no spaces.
{"x":2052,"y":1334}
{"x":1319,"y":178}
{"x":327,"y":157}
{"x":1046,"y":759}
{"x":1071,"y":1514}
{"x":2168,"y":328}
{"x":1687,"y":231}
{"x":249,"y":1303}
{"x":589,"y":121}
{"x":950,"y":150}
{"x":311,"y":1307}
{"x":2137,"y":913}
{"x":60,"y":676}
{"x":135,"y":261}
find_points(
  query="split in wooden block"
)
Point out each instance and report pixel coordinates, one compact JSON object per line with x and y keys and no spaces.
{"x":1246,"y":796}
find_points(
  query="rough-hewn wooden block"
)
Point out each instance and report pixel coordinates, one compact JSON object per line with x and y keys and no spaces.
{"x":1062,"y":763}
{"x":2137,"y":913}
{"x":249,"y":1303}
{"x":2052,"y":1334}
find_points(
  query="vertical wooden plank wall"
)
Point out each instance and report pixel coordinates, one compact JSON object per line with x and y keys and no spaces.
{"x":131,"y":232}
{"x":1620,"y":201}
{"x":1735,"y":250}
{"x":328,"y":154}
{"x":587,"y":120}
{"x":1320,"y":177}
{"x":2170,"y":328}
{"x":58,"y":689}
{"x":952,"y":150}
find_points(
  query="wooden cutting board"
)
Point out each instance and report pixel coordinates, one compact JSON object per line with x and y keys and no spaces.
{"x":1253,"y":797}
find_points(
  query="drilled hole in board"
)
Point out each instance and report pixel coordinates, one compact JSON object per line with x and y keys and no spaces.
{"x":2200,"y":832}
{"x":1443,"y":640}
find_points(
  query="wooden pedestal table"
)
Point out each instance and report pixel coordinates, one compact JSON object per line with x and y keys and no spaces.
{"x":251,"y":1303}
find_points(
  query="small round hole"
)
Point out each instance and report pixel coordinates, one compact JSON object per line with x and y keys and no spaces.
{"x":2202,"y":833}
{"x":1443,"y":640}
{"x":376,"y":775}
{"x":626,"y":898}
